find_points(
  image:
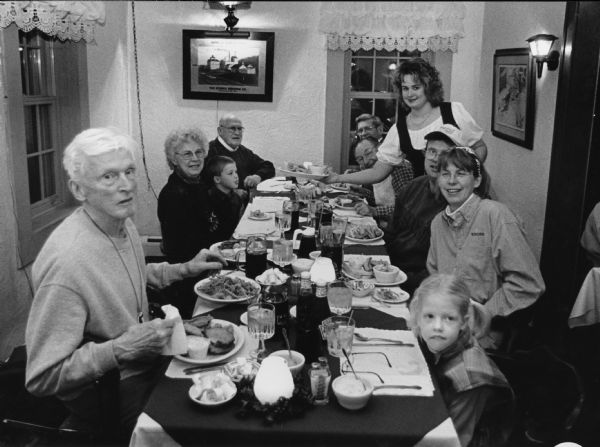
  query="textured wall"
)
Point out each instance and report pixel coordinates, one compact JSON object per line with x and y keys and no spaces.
{"x":289,"y":128}
{"x":519,"y":175}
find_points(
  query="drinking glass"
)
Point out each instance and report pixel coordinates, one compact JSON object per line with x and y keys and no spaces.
{"x":339,"y":297}
{"x":339,"y":332}
{"x":283,"y":252}
{"x":261,"y":325}
{"x":332,"y":245}
{"x":314,"y":208}
{"x":283,"y":222}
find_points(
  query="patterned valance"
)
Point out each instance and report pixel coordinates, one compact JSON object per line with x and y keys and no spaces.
{"x":65,"y":20}
{"x":422,"y":26}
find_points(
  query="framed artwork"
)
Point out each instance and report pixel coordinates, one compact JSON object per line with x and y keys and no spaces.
{"x":227,"y":67}
{"x":513,"y":100}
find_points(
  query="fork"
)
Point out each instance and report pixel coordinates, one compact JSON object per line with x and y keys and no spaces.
{"x":389,"y":340}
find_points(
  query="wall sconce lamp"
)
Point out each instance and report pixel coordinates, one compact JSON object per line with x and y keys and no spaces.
{"x":540,"y":46}
{"x":231,"y":20}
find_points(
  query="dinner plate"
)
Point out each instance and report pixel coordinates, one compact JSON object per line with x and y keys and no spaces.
{"x":244,"y":318}
{"x":352,"y":239}
{"x":265,"y":216}
{"x":210,"y":359}
{"x":336,"y":203}
{"x":293,"y":311}
{"x":337,"y":187}
{"x":226,"y":301}
{"x":270,"y":258}
{"x":402,"y":296}
{"x":302,"y":174}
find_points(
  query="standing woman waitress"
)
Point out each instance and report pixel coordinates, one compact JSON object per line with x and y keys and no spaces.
{"x":421,"y":111}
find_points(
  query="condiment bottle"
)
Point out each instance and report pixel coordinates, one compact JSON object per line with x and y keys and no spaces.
{"x":307,"y":336}
{"x":295,"y":285}
{"x":319,"y":383}
{"x":321,"y":306}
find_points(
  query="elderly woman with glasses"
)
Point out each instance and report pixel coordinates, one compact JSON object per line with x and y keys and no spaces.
{"x":481,"y":240}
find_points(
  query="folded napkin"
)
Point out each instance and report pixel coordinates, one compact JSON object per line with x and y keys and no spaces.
{"x":177,"y":343}
{"x":203,"y":306}
{"x":275,"y":184}
{"x":176,"y":367}
{"x":408,"y":366}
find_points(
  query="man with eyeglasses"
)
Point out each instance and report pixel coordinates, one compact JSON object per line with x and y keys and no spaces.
{"x":408,"y":235}
{"x":368,"y":125}
{"x":251,"y":168}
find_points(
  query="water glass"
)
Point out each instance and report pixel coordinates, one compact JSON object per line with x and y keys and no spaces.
{"x":314,"y":208}
{"x":261,"y":325}
{"x":332,"y":245}
{"x":283,"y":222}
{"x":283,"y":252}
{"x":339,"y":297}
{"x":339,"y":332}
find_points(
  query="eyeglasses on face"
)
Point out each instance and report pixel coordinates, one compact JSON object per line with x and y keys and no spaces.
{"x":432,"y":153}
{"x":365,"y":129}
{"x":234,"y":128}
{"x":188,"y":155}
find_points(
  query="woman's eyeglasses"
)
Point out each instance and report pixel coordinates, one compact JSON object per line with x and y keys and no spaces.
{"x":188,"y":155}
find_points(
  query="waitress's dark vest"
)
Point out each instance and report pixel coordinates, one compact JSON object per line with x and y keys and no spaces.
{"x":415,"y":156}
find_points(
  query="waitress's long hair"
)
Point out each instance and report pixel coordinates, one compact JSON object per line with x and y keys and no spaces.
{"x":464,"y":158}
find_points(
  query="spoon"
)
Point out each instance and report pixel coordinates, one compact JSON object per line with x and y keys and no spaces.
{"x":287,"y":342}
{"x":352,"y":368}
{"x":388,"y":340}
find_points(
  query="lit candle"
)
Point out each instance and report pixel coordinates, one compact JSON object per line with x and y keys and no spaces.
{"x":273,"y":381}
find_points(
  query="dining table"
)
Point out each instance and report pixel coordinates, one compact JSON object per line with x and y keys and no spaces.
{"x":171,"y":418}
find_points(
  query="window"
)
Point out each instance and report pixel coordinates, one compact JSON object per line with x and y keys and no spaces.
{"x":48,"y":107}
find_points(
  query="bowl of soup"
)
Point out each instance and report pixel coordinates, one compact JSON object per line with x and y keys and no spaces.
{"x":295,"y":363}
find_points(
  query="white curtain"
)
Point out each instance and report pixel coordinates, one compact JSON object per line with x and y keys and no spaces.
{"x":65,"y":20}
{"x":422,"y":26}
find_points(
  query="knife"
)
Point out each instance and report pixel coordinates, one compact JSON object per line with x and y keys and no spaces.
{"x":201,"y":368}
{"x":401,"y":387}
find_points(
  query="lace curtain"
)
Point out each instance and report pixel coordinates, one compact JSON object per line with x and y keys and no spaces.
{"x":65,"y":20}
{"x":422,"y":26}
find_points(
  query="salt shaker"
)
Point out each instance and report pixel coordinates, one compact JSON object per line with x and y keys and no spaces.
{"x":319,"y":383}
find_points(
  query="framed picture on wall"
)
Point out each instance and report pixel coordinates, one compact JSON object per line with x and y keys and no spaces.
{"x":230,"y":68}
{"x":513,"y":100}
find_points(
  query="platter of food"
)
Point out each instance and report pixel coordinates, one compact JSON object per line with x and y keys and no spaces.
{"x":229,"y":249}
{"x":312,"y":172}
{"x":212,"y":388}
{"x":210,"y":340}
{"x":259,"y":215}
{"x":363,"y":232}
{"x":391,"y":296}
{"x":361,"y":267}
{"x":227,"y":289}
{"x":346,"y":201}
{"x":340,"y":187}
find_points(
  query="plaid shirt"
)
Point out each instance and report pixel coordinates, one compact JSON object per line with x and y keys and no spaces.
{"x":401,"y":175}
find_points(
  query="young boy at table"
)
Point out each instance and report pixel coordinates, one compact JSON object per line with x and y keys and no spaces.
{"x":226,"y":206}
{"x":478,"y":396}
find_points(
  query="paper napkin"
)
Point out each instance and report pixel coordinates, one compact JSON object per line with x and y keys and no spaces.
{"x":178,"y":342}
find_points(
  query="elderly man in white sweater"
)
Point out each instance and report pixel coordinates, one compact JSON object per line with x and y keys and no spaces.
{"x":90,"y":311}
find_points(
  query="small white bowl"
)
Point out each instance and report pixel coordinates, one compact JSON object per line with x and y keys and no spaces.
{"x":314,"y":254}
{"x":387,"y":276}
{"x":350,"y":393}
{"x":360,"y":288}
{"x":297,"y":359}
{"x":302,"y":265}
{"x":216,"y":381}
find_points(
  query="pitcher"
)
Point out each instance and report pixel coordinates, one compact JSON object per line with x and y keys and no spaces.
{"x":256,"y":255}
{"x":308,"y":241}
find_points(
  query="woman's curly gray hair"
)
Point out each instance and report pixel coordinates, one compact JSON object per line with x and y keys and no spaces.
{"x":179,"y":137}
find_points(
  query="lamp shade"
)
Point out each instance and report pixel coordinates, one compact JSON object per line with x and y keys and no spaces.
{"x":273,"y":380}
{"x":540,"y":44}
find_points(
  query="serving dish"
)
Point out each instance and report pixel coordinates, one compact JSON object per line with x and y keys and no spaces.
{"x":340,"y":187}
{"x":215,"y":382}
{"x":238,"y":336}
{"x":363,"y":232}
{"x":226,"y":284}
{"x":346,"y":202}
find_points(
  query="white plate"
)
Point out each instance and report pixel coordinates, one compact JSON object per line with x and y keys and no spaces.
{"x":210,"y":359}
{"x":270,"y":258}
{"x":191,"y":394}
{"x":335,"y":203}
{"x":302,"y":174}
{"x":264,"y":217}
{"x":401,"y":278}
{"x":293,"y":311}
{"x":403,"y":296}
{"x":352,"y":239}
{"x":336,"y":187}
{"x":244,"y":318}
{"x":227,"y":301}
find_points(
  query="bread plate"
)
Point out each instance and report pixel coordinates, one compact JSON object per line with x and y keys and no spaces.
{"x":209,"y":297}
{"x":391,"y":296}
{"x":263,"y":216}
{"x":338,"y":202}
{"x":238,"y":336}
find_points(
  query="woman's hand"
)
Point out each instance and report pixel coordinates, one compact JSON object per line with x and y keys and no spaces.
{"x":203,"y":261}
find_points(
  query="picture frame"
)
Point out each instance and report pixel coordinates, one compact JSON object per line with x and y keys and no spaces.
{"x":513,"y":99}
{"x":223,"y":66}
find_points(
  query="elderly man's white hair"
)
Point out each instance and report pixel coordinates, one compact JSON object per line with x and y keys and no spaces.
{"x":92,"y":142}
